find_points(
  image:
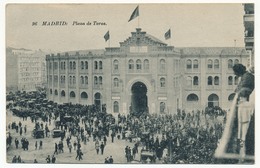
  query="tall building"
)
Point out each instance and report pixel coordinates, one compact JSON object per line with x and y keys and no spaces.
{"x":249,"y":30}
{"x":25,"y":69}
{"x":145,"y":74}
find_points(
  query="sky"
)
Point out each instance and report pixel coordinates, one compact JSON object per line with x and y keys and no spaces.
{"x":192,"y":25}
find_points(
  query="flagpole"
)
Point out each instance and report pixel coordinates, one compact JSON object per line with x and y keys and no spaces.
{"x":109,"y":42}
{"x":138,"y":22}
{"x":138,"y":17}
{"x":171,"y":36}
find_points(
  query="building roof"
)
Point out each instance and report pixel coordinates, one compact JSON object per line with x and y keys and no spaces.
{"x":154,"y":38}
{"x":85,"y":52}
{"x":212,"y":50}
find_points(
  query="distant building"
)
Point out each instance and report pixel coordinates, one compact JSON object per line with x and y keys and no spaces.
{"x":144,"y":74}
{"x":25,"y":69}
{"x":249,"y":30}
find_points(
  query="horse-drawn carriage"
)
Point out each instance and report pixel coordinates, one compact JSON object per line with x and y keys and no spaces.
{"x":38,"y":133}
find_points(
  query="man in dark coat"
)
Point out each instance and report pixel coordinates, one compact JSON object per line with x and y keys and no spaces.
{"x":102,"y":146}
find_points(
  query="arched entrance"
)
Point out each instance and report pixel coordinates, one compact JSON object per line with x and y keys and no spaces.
{"x":139,"y":103}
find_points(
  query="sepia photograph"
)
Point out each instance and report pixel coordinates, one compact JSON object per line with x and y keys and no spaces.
{"x":130,"y":83}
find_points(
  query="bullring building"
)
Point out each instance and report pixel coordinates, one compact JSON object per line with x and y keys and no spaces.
{"x":145,"y":74}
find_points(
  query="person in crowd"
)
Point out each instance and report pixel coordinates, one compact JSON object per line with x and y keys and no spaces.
{"x":70,"y":147}
{"x":40,"y":144}
{"x":25,"y":129}
{"x":53,"y":159}
{"x":16,"y":143}
{"x":14,"y":160}
{"x":97,"y":146}
{"x":48,"y":159}
{"x":105,"y":140}
{"x":19,"y":160}
{"x":36,"y":145}
{"x":21,"y":131}
{"x":111,"y":160}
{"x":106,"y":160}
{"x":56,"y":149}
{"x":102,"y":147}
{"x":74,"y":145}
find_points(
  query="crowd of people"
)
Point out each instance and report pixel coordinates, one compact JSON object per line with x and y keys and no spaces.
{"x":188,"y":137}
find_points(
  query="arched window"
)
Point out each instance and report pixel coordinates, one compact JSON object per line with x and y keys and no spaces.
{"x":216,"y":80}
{"x":50,"y":91}
{"x":216,"y":64}
{"x":95,"y":65}
{"x":213,"y":100}
{"x":61,"y":65}
{"x":100,"y":80}
{"x":162,"y":107}
{"x":74,"y":65}
{"x":82,"y":65}
{"x":86,"y":64}
{"x":230,"y":64}
{"x":195,"y":80}
{"x":210,"y":80}
{"x":71,"y":65}
{"x":82,"y":80}
{"x":116,"y":82}
{"x":231,"y":97}
{"x":61,"y":79}
{"x":236,"y":80}
{"x":162,"y":65}
{"x":97,"y":100}
{"x":100,"y":65}
{"x":70,"y":80}
{"x":62,"y":93}
{"x":146,"y":64}
{"x":192,"y":97}
{"x":236,"y":61}
{"x":84,"y":95}
{"x":115,"y":65}
{"x":230,"y":80}
{"x":188,"y":64}
{"x":64,"y":65}
{"x":86,"y":80}
{"x":55,"y":65}
{"x":131,"y":64}
{"x":138,"y":64}
{"x":64,"y":79}
{"x":95,"y":80}
{"x":162,"y":82}
{"x":116,"y":107}
{"x":72,"y":94}
{"x":210,"y":64}
{"x":74,"y":80}
{"x":195,"y":64}
{"x":56,"y":92}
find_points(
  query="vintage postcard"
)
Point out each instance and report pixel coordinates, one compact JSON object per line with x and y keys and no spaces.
{"x":145,"y":83}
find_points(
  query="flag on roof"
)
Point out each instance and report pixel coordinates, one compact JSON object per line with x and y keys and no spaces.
{"x":167,"y":35}
{"x":134,"y":14}
{"x":107,"y":36}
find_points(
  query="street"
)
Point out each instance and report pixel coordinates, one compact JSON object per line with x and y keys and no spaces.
{"x":116,"y":149}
